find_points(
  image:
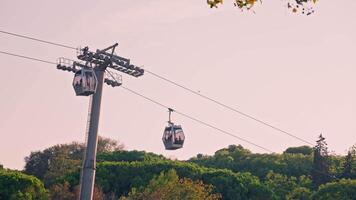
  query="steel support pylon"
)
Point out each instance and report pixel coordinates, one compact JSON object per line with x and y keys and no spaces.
{"x":89,"y":165}
{"x":102,"y":59}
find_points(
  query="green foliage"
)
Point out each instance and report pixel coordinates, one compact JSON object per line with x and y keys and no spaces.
{"x":280,"y":184}
{"x":168,"y":186}
{"x":106,"y":145}
{"x":321,"y":162}
{"x":284,"y":187}
{"x":64,"y":191}
{"x":234,"y":172}
{"x":129,"y":156}
{"x":56,"y":161}
{"x":299,"y":193}
{"x":18,"y":186}
{"x":59,"y":158}
{"x":238,"y":159}
{"x":120,"y":177}
{"x":349,"y":165}
{"x":305,"y":150}
{"x":344,"y":189}
{"x":61,"y":191}
{"x":297,"y":164}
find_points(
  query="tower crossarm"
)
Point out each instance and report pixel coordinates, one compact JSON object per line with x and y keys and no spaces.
{"x":103,"y":57}
{"x":113,"y":79}
{"x":69,"y":65}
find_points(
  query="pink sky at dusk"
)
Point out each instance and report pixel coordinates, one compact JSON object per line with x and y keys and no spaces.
{"x":295,"y":72}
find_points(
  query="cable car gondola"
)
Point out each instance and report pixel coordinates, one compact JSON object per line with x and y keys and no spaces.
{"x":173,"y":135}
{"x":85,"y":82}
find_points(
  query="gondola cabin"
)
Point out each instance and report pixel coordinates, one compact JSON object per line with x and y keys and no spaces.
{"x":85,"y":82}
{"x":173,"y":137}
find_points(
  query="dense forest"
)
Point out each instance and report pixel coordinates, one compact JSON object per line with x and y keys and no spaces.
{"x":231,"y":173}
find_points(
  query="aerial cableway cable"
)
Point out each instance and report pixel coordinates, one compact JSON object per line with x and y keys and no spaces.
{"x":26,"y":57}
{"x":227,"y":107}
{"x":38,"y":40}
{"x":159,"y":104}
{"x":182,"y":87}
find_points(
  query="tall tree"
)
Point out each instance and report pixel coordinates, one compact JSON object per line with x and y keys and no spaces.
{"x":106,"y":145}
{"x":40,"y":162}
{"x":60,"y":159}
{"x":349,"y":166}
{"x":321,"y":165}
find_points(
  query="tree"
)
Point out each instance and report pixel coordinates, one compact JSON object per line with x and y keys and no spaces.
{"x":296,"y":164}
{"x":299,"y":193}
{"x":106,"y":145}
{"x":40,"y":162}
{"x":321,"y":163}
{"x":280,"y":184}
{"x":60,"y":165}
{"x":61,"y":191}
{"x":345,"y":189}
{"x":305,"y":150}
{"x":122,"y":155}
{"x":239,"y":159}
{"x":120,"y":177}
{"x":58,"y":160}
{"x":349,"y":166}
{"x":64,"y":191}
{"x":15,"y":185}
{"x":168,"y":186}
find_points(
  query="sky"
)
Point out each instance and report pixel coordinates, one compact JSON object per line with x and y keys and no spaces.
{"x":295,"y":72}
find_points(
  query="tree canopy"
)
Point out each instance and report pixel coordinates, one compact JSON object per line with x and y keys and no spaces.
{"x":305,"y":150}
{"x":61,"y":159}
{"x":238,"y":159}
{"x":15,"y":185}
{"x":168,"y":186}
{"x":344,"y":189}
{"x":120,"y":177}
{"x":321,"y":162}
{"x":297,"y":6}
{"x":233,"y":172}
